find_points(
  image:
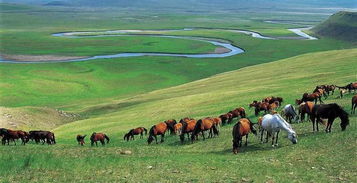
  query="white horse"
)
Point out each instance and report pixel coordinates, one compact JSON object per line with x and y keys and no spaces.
{"x":290,"y":113}
{"x":273,"y":124}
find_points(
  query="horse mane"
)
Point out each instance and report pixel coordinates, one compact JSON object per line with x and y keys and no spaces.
{"x":251,"y":126}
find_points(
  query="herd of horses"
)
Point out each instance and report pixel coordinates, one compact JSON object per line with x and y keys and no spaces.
{"x":271,"y":122}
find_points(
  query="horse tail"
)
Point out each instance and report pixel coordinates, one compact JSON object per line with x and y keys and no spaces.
{"x":145,"y":130}
{"x":106,"y":137}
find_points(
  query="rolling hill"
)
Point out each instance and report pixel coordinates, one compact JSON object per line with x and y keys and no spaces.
{"x":342,"y":26}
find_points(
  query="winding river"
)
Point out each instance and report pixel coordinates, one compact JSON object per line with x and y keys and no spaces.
{"x":233,"y":50}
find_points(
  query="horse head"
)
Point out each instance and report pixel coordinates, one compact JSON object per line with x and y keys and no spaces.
{"x":292,"y":137}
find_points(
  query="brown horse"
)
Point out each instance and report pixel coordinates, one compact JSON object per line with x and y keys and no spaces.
{"x":44,"y":136}
{"x":330,"y":112}
{"x":305,"y":108}
{"x":311,"y":97}
{"x":242,"y":128}
{"x":273,"y":106}
{"x":136,"y":131}
{"x":178,"y":128}
{"x":354,"y":104}
{"x":187,"y":128}
{"x":203,"y":125}
{"x":170,"y":125}
{"x":273,"y":99}
{"x":80,"y":139}
{"x":226,"y":118}
{"x":158,"y":129}
{"x":321,"y":90}
{"x":240,"y":111}
{"x":13,"y":135}
{"x":259,"y":106}
{"x":99,"y":137}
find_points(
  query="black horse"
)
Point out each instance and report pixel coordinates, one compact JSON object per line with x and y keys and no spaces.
{"x":330,"y":112}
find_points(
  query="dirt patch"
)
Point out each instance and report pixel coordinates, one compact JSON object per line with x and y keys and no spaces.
{"x":221,"y":50}
{"x":38,"y":58}
{"x":34,"y":118}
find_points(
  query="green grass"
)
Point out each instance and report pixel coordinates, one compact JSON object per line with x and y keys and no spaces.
{"x":318,"y":157}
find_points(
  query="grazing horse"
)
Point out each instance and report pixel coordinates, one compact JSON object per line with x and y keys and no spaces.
{"x":80,"y":139}
{"x":226,"y":118}
{"x":273,"y":99}
{"x":13,"y":135}
{"x":311,"y":97}
{"x":273,"y":124}
{"x":187,"y":128}
{"x":178,"y":128}
{"x":242,"y":128}
{"x":290,"y":113}
{"x":305,"y":108}
{"x":330,"y":112}
{"x":203,"y":125}
{"x":98,"y":137}
{"x":170,"y":125}
{"x":136,"y":131}
{"x":259,"y":106}
{"x":354,"y":104}
{"x":321,"y":91}
{"x":273,"y":106}
{"x":327,"y":89}
{"x":158,"y":129}
{"x":45,"y":136}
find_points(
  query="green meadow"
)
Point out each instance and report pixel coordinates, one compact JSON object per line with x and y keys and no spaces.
{"x":116,"y":95}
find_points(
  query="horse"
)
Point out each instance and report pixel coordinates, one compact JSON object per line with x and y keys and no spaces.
{"x":354,"y":104}
{"x":45,"y":136}
{"x":217,"y":122}
{"x":158,"y":129}
{"x":170,"y":125}
{"x":321,"y":91}
{"x":273,"y":124}
{"x":349,"y":87}
{"x":95,"y":137}
{"x":203,"y":125}
{"x":136,"y":131}
{"x":178,"y":128}
{"x":273,"y":99}
{"x":13,"y":135}
{"x":240,"y":111}
{"x":327,"y":89}
{"x":305,"y":108}
{"x":226,"y":118}
{"x":242,"y":128}
{"x":330,"y":112}
{"x":259,"y":106}
{"x":273,"y":106}
{"x":290,"y":113}
{"x":187,"y":128}
{"x":80,"y":139}
{"x":311,"y":97}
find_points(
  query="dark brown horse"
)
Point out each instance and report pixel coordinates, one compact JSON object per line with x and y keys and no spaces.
{"x":259,"y":106}
{"x":311,"y":97}
{"x":95,"y":137}
{"x":187,"y":128}
{"x":80,"y":139}
{"x":330,"y":112}
{"x":136,"y":131}
{"x":158,"y":129}
{"x":242,"y":128}
{"x":354,"y":104}
{"x":202,"y":125}
{"x":13,"y":135}
{"x":44,"y":136}
{"x":170,"y":125}
{"x":273,"y":99}
{"x":226,"y":118}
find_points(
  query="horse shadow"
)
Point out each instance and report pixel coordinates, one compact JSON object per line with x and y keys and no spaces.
{"x":248,"y":149}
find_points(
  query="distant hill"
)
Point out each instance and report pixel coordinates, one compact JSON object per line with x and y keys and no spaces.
{"x":342,"y":26}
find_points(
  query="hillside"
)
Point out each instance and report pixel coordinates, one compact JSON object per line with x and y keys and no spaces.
{"x":342,"y":26}
{"x":319,"y":153}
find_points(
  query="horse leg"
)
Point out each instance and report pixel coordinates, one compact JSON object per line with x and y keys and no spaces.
{"x":102,"y":142}
{"x":246,"y":140}
{"x":272,"y":139}
{"x":162,"y":138}
{"x":96,"y":143}
{"x":155,"y":139}
{"x":266,"y":138}
{"x":276,"y":140}
{"x":203,"y":135}
{"x":312,"y":118}
{"x":261,"y":136}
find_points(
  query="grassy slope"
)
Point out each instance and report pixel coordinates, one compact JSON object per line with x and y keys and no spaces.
{"x":341,"y":25}
{"x":317,"y":157}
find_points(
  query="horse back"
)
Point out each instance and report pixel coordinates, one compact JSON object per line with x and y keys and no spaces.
{"x":244,"y":128}
{"x":160,"y":128}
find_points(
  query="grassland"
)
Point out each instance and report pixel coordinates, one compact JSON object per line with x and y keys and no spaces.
{"x":318,"y":157}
